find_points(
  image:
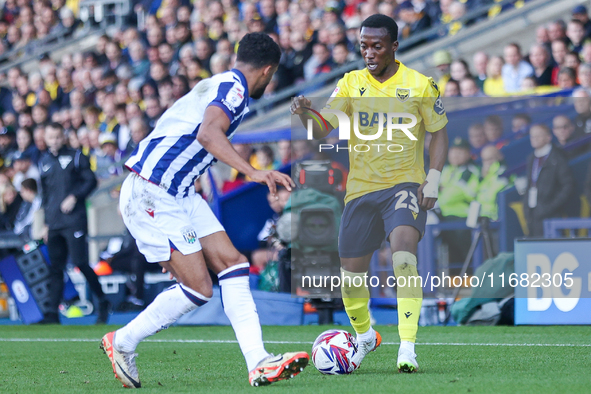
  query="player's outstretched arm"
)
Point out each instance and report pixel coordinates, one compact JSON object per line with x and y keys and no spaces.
{"x":212,"y":136}
{"x":429,"y":190}
{"x":299,"y":107}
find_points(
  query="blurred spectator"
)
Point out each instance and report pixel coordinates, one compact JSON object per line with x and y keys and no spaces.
{"x":452,"y":88}
{"x":23,"y":168}
{"x":139,"y":130}
{"x":319,"y":63}
{"x":301,"y":150}
{"x":413,"y":20}
{"x":550,"y":183}
{"x":459,"y":181}
{"x":492,"y":181}
{"x":284,"y":148}
{"x":7,"y":145}
{"x":580,"y":13}
{"x":528,"y":84}
{"x":567,"y":78}
{"x":572,"y":60}
{"x":477,"y":139}
{"x":565,"y":133}
{"x":442,"y":60}
{"x":520,"y":126}
{"x":582,"y":104}
{"x":459,"y":70}
{"x":586,"y":53}
{"x":493,"y":129}
{"x":31,"y":204}
{"x":493,"y":84}
{"x":10,"y":202}
{"x":515,"y":68}
{"x":265,"y":158}
{"x":480,"y":61}
{"x":267,"y":252}
{"x":557,"y":31}
{"x":575,"y":32}
{"x":458,"y":187}
{"x":109,"y":155}
{"x":559,"y":51}
{"x":540,"y":61}
{"x":469,"y":88}
{"x":341,"y":55}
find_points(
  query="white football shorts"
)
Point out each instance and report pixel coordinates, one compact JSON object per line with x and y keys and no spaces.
{"x":159,"y":221}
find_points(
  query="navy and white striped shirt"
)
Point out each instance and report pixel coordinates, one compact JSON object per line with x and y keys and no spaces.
{"x":171,"y":156}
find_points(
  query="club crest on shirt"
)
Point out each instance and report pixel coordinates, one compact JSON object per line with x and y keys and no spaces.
{"x":402,"y":94}
{"x":434,"y":85}
{"x":64,"y":161}
{"x":189,"y":234}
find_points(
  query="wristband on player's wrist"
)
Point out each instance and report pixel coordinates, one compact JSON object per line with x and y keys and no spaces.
{"x":431,"y":189}
{"x":433,"y":177}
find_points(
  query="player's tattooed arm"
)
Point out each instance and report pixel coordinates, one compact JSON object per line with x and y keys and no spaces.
{"x":300,"y":106}
{"x":428,"y":191}
{"x":212,"y":136}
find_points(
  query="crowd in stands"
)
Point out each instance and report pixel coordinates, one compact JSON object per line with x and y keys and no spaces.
{"x":27,"y":25}
{"x":109,"y":98}
{"x":560,"y":59}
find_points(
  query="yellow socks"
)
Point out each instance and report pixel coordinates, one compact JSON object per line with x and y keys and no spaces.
{"x":409,"y":296}
{"x":355,"y":299}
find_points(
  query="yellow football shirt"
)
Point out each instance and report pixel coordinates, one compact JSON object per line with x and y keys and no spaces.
{"x":386,"y":163}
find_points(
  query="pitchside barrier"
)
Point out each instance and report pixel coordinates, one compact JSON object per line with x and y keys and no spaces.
{"x":27,"y":276}
{"x":554,"y":281}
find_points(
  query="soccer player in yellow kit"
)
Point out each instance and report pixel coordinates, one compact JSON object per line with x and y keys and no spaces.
{"x":387,"y":192}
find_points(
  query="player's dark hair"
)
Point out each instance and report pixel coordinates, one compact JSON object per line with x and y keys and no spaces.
{"x":29,"y":184}
{"x":259,"y":50}
{"x":380,"y":21}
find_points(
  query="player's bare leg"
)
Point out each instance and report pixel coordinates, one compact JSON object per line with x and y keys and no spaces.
{"x":192,"y":291}
{"x":403,"y":242}
{"x":356,"y":299}
{"x":232,"y":269}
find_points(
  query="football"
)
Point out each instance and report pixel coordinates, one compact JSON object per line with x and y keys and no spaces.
{"x":332,"y":352}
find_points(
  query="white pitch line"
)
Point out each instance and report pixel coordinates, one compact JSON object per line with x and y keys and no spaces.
{"x":298,"y":342}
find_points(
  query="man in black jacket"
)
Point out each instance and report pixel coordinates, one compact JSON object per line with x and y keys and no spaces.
{"x":550,"y":182}
{"x":67,"y":180}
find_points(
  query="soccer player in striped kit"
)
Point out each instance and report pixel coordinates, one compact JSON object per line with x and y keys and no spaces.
{"x":173,"y":226}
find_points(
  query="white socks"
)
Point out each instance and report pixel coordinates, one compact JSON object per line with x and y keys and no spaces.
{"x":366,"y":336}
{"x":406,"y":345}
{"x":166,"y":308}
{"x":171,"y":304}
{"x":241,"y":310}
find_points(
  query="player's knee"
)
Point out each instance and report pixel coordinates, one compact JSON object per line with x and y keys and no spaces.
{"x":203,"y":287}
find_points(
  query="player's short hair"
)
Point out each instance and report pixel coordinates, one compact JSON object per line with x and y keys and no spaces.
{"x":259,"y":50}
{"x":380,"y":21}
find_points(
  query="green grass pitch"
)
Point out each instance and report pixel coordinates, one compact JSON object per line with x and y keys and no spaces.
{"x":535,"y":364}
